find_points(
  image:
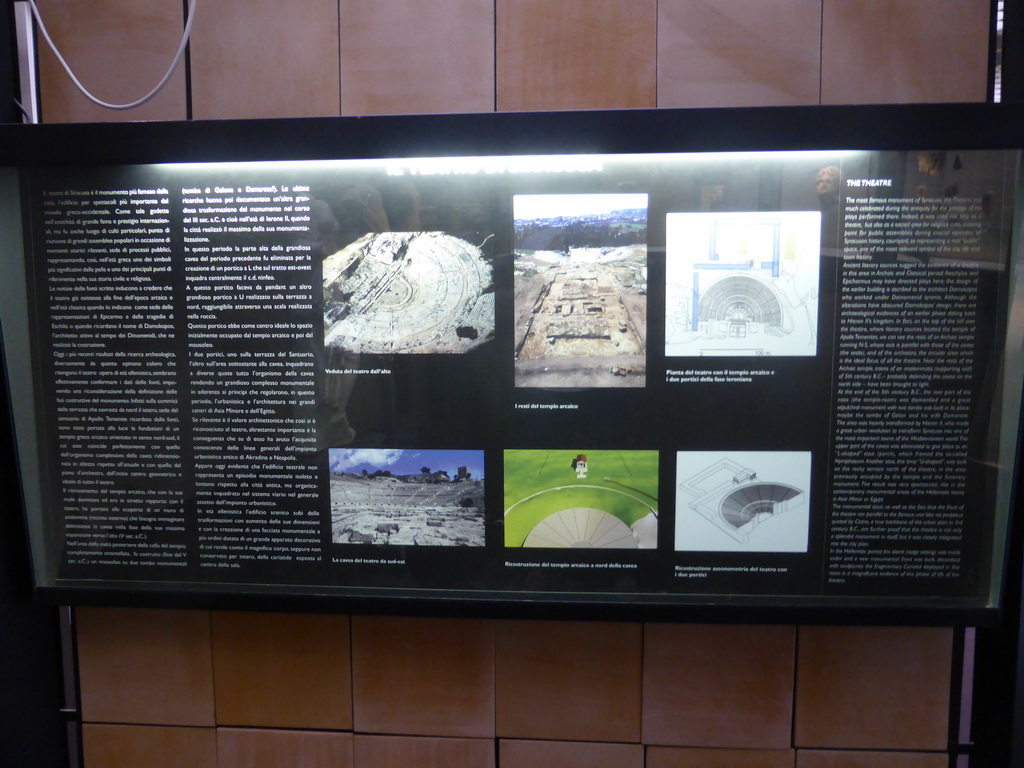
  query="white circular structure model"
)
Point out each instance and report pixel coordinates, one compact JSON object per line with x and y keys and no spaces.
{"x":579,"y":528}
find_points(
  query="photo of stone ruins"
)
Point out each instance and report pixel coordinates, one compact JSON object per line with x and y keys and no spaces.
{"x":407,"y":293}
{"x":406,"y":498}
{"x":580,"y":290}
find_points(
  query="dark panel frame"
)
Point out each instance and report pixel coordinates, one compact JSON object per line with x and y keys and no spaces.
{"x":906,"y":127}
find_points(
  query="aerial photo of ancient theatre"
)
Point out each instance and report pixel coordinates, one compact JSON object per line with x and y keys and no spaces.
{"x":581,"y":499}
{"x":407,"y":293}
{"x":580,"y":290}
{"x":431,"y":498}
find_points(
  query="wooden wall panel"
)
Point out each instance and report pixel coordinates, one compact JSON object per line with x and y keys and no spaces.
{"x":132,"y":746}
{"x":726,"y":686}
{"x":885,"y":688}
{"x":119,"y":49}
{"x":145,"y":666}
{"x":738,"y":53}
{"x":273,"y":748}
{"x":422,"y":752}
{"x":576,"y":54}
{"x":280,"y":670}
{"x":568,"y":680}
{"x":410,"y":57}
{"x":515,"y":753}
{"x":904,"y":51}
{"x":423,"y":676}
{"x":673,"y":757}
{"x":263,"y":58}
{"x":847,"y":759}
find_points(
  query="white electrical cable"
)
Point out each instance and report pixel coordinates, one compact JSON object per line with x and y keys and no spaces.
{"x":174,"y":64}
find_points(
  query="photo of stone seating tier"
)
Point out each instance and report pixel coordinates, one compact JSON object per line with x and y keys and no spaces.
{"x":380,"y":497}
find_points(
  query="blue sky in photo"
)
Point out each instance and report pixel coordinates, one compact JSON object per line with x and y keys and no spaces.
{"x":405,"y":462}
{"x":528,"y":207}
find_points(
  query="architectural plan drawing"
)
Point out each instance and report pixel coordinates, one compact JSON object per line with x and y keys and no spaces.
{"x":742,"y":284}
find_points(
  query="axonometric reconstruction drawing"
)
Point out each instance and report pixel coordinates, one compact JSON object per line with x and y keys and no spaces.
{"x":735,"y":499}
{"x":408,"y":292}
{"x":742,"y":284}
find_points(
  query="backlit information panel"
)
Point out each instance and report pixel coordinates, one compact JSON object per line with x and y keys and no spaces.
{"x":650,"y":378}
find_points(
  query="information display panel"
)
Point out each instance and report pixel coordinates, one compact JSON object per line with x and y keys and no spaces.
{"x":645,"y":379}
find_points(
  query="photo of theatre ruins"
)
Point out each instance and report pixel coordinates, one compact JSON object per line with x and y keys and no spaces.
{"x":407,"y":293}
{"x":432,"y":498}
{"x":580,"y":290}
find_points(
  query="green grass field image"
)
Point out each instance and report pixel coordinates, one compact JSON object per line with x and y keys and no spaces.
{"x":581,"y":499}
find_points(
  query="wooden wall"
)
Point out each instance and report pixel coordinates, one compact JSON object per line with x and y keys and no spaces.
{"x":261,"y":58}
{"x":250,"y":690}
{"x":204,"y":689}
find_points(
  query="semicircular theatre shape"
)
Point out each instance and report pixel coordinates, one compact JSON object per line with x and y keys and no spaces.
{"x":409,"y":292}
{"x":749,"y":502}
{"x":579,"y":528}
{"x":741,"y":298}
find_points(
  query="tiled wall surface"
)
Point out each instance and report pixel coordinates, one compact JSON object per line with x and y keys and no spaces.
{"x":260,"y":58}
{"x":248,"y":690}
{"x":205,"y":689}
